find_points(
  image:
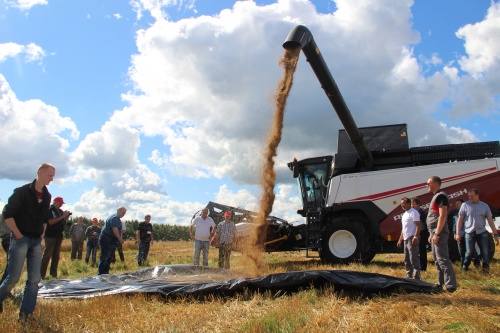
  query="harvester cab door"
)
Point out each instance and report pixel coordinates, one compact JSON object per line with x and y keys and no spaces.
{"x":313,"y":182}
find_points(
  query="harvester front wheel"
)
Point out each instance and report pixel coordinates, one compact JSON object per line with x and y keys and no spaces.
{"x":341,"y":241}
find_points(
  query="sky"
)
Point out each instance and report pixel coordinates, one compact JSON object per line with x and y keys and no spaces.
{"x":164,"y":105}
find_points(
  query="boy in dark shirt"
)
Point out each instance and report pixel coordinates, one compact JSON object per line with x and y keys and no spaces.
{"x":144,"y":238}
{"x":92,"y":234}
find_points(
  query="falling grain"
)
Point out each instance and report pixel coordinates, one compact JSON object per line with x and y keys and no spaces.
{"x":268,"y":176}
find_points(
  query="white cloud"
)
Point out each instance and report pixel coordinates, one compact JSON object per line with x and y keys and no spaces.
{"x":114,"y":147}
{"x":458,"y":135}
{"x":32,"y":52}
{"x":205,"y":87}
{"x":32,"y":133}
{"x":156,"y":7}
{"x":205,"y":84}
{"x":25,"y":4}
{"x":481,"y":43}
{"x":98,"y":203}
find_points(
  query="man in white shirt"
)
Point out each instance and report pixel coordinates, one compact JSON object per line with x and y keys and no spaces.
{"x":204,"y":230}
{"x":410,"y":235}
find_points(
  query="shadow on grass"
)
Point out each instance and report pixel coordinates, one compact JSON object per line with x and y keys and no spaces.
{"x":385,"y":264}
{"x":295,"y":265}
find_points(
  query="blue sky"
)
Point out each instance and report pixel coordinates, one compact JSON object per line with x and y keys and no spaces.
{"x":162,"y":106}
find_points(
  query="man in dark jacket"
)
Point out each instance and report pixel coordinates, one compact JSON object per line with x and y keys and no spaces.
{"x":26,"y":214}
{"x":54,"y":237}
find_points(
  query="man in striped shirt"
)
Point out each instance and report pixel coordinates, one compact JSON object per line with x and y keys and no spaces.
{"x":227,"y":235}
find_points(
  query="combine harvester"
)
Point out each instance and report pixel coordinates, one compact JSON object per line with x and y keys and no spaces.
{"x":351,"y":201}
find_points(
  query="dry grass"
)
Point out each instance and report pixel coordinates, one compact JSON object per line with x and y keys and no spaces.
{"x":473,"y":308}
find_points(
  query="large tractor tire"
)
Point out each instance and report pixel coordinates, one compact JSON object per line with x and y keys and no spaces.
{"x":342,"y":242}
{"x":368,"y":256}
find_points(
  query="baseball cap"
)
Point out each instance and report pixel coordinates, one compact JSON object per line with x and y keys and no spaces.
{"x":227,"y":214}
{"x":59,"y":199}
{"x":95,"y":219}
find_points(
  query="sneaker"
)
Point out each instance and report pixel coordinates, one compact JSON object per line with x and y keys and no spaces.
{"x":486,"y":270}
{"x":465,"y":268}
{"x":450,"y":289}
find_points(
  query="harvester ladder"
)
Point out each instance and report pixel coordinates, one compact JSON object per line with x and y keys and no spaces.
{"x":313,"y":232}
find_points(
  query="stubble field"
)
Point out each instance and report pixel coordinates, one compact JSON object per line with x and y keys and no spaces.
{"x":474,"y":307}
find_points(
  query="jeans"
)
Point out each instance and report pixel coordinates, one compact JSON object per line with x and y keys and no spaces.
{"x":31,"y":250}
{"x":201,"y":246}
{"x":108,"y":246}
{"x":120,"y":252}
{"x":412,"y":261}
{"x":92,"y":244}
{"x":52,"y":251}
{"x":76,"y":250}
{"x":225,"y":255}
{"x":422,"y":248}
{"x":5,"y":245}
{"x":482,"y":241}
{"x":142,"y":256}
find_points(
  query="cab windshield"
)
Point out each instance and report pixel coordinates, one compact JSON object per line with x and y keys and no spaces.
{"x":313,"y":181}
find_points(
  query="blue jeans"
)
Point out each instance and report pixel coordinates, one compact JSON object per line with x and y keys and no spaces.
{"x":92,"y":244}
{"x":20,"y":249}
{"x":142,"y":256}
{"x":5,"y":245}
{"x":482,"y":241}
{"x":108,"y":246}
{"x":201,"y":246}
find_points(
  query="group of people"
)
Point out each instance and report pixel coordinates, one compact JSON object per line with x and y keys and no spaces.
{"x":53,"y":238}
{"x":28,"y":217}
{"x":472,"y":214}
{"x":204,"y":231}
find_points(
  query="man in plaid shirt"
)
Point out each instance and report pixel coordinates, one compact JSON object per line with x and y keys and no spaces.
{"x":227,"y":235}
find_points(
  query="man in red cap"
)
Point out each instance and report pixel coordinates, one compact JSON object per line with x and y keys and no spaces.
{"x":227,"y":235}
{"x":54,"y":237}
{"x":92,"y":234}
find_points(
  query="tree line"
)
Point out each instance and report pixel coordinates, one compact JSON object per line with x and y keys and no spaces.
{"x":161,"y":232}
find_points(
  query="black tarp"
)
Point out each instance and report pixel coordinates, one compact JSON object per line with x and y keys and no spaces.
{"x":185,"y":280}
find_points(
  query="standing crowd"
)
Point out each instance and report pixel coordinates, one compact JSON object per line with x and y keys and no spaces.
{"x":29,"y":217}
{"x":469,"y":229}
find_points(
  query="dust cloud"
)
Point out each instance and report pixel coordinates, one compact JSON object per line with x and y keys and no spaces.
{"x":254,"y":248}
